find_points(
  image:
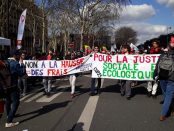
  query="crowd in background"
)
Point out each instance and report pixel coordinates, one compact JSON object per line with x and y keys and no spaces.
{"x":14,"y":84}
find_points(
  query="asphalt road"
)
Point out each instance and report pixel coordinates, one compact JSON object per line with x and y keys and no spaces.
{"x":105,"y":112}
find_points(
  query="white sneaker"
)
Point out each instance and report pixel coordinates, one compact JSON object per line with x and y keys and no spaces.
{"x":8,"y":125}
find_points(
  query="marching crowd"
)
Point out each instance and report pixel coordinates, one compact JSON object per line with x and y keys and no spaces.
{"x":13,"y":77}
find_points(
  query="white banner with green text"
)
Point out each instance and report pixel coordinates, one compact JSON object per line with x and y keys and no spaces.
{"x":124,"y":67}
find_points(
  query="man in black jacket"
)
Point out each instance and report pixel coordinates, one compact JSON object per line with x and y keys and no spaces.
{"x":165,"y":73}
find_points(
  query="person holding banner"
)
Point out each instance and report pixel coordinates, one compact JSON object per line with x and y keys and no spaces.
{"x":72,"y":78}
{"x":153,"y":85}
{"x":165,"y":73}
{"x":93,"y":80}
{"x":126,"y":84}
{"x":47,"y":81}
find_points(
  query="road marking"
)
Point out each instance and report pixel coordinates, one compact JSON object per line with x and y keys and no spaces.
{"x":87,"y":75}
{"x":23,"y":98}
{"x":34,"y":97}
{"x":49,"y":99}
{"x":88,"y":113}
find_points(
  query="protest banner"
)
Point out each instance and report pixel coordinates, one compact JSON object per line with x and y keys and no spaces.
{"x":124,"y":67}
{"x":58,"y":68}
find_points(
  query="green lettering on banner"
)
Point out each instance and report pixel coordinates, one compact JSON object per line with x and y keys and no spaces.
{"x":135,"y":67}
{"x":110,"y":66}
{"x":114,"y":74}
{"x":119,"y":66}
{"x":104,"y":65}
{"x":104,"y":72}
{"x":152,"y":67}
{"x":127,"y":74}
{"x":152,"y":74}
{"x":118,"y":74}
{"x":123,"y":74}
{"x":124,"y":67}
{"x":147,"y":74}
{"x":126,"y":70}
{"x":109,"y":73}
{"x":140,"y":75}
{"x":133,"y":74}
{"x":129,"y":67}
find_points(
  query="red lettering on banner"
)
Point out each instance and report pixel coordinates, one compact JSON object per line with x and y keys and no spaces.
{"x":141,"y":59}
{"x":122,"y":60}
{"x":65,"y":72}
{"x":101,"y":57}
{"x":63,"y":63}
{"x":136,"y":59}
{"x":145,"y":59}
{"x":125,"y":59}
{"x":154,"y":58}
{"x":71,"y":63}
{"x":57,"y":72}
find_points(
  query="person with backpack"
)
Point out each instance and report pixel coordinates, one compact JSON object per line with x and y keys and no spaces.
{"x":4,"y":75}
{"x":12,"y":92}
{"x":165,"y":73}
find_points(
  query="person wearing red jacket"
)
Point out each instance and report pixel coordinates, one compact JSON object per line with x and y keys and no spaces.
{"x":155,"y":49}
{"x":153,"y":85}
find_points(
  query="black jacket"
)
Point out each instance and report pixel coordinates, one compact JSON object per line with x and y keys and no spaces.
{"x":170,"y":78}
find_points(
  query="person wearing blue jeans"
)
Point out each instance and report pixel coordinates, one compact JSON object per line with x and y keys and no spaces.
{"x":12,"y":103}
{"x":12,"y":96}
{"x":168,"y":91}
{"x":164,"y":71}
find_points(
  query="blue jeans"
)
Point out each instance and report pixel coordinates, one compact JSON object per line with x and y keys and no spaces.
{"x":12,"y":103}
{"x":168,"y":91}
{"x":22,"y":81}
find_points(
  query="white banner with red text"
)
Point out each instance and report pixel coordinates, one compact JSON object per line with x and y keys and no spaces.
{"x":124,"y":67}
{"x":58,"y":68}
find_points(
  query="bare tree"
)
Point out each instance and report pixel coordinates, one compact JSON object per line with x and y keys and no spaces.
{"x":5,"y":13}
{"x":89,"y":15}
{"x":125,"y":35}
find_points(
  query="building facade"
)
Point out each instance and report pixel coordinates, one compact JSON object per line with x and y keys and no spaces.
{"x":10,"y":11}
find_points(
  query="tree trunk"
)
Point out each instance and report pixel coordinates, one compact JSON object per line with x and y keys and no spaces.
{"x":34,"y":37}
{"x":81,"y":35}
{"x":65,"y":42}
{"x":55,"y":44}
{"x":43,"y":29}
